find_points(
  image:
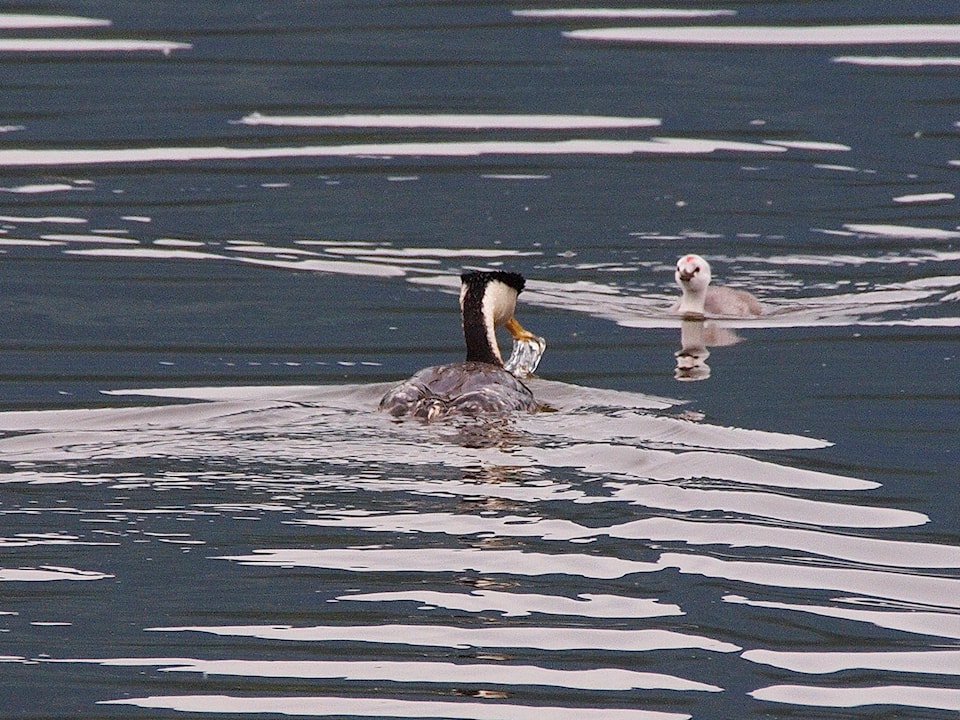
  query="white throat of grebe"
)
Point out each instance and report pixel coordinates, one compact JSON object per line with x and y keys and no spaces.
{"x":488,"y":300}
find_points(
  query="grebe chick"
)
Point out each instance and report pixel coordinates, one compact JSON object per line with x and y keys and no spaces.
{"x":480,"y":385}
{"x":700,"y":298}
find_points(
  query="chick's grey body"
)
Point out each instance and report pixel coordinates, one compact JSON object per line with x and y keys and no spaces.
{"x":479,"y":386}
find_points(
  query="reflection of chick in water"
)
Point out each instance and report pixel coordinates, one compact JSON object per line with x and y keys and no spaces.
{"x":695,"y":337}
{"x":692,"y":355}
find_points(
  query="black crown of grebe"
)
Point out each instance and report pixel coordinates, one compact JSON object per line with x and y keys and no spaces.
{"x":480,"y":385}
{"x":699,"y":297}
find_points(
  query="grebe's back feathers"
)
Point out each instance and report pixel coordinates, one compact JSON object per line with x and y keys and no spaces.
{"x":469,"y":388}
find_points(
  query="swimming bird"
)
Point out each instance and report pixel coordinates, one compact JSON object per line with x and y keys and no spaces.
{"x":699,"y":297}
{"x":480,"y":385}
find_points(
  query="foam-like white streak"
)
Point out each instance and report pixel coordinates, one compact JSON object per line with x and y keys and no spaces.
{"x":766,"y":504}
{"x":625,"y":460}
{"x":941,"y":592}
{"x":15,"y":21}
{"x":899,"y":258}
{"x":600,"y":679}
{"x":425,"y":252}
{"x":38,"y":539}
{"x":513,"y":176}
{"x":622,"y":13}
{"x":926,"y":662}
{"x":556,"y":638}
{"x":48,"y":573}
{"x":175,"y":242}
{"x":269,"y":250}
{"x":58,"y":220}
{"x":313,"y":265}
{"x":450,"y":524}
{"x":37,"y":189}
{"x":511,"y":604}
{"x":925,"y":197}
{"x":454,"y":122}
{"x":902,"y":231}
{"x":77,"y":45}
{"x":850,"y":548}
{"x":932,"y":698}
{"x":148,"y":253}
{"x":446,"y":560}
{"x":838,"y":168}
{"x":809,"y":145}
{"x":935,"y":624}
{"x":778,"y":35}
{"x":108,"y":239}
{"x":921,"y":322}
{"x":13,"y":242}
{"x":651,"y":429}
{"x":378,"y":151}
{"x":887,"y":61}
{"x":339,"y":267}
{"x":381,"y":708}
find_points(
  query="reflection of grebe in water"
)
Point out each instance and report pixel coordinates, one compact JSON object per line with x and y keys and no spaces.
{"x":700,"y":298}
{"x":480,"y":385}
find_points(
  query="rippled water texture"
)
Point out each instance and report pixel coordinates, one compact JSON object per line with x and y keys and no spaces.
{"x":227,"y":229}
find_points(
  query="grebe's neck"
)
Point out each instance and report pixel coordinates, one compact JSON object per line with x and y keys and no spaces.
{"x":487,"y":299}
{"x":478,"y":328}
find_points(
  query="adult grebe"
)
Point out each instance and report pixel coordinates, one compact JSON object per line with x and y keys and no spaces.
{"x":699,"y":297}
{"x":480,"y":385}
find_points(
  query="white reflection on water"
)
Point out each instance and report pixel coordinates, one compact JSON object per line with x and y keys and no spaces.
{"x":485,"y":561}
{"x":865,"y":550}
{"x":890,"y":61}
{"x":830,"y":697}
{"x":778,"y":35}
{"x":384,"y":707}
{"x":911,"y":619}
{"x":84,"y":45}
{"x":675,"y":503}
{"x":381,"y":151}
{"x":21,"y":21}
{"x":624,"y":13}
{"x":419,"y":672}
{"x":926,"y":662}
{"x":645,"y":302}
{"x":453,"y":122}
{"x":932,"y":591}
{"x":513,"y":604}
{"x":449,"y":636}
{"x":47,"y":574}
{"x":924,"y":198}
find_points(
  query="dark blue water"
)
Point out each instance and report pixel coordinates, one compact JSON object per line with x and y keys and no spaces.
{"x":227,"y":230}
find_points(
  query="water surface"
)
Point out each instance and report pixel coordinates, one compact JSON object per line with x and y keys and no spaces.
{"x":225,"y":233}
